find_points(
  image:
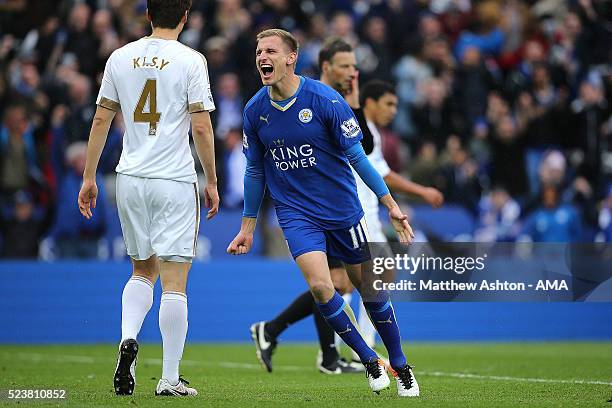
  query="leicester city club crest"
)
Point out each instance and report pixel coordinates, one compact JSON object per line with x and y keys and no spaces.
{"x":305,"y":115}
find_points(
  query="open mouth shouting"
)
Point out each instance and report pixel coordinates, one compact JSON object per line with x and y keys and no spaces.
{"x":267,"y":70}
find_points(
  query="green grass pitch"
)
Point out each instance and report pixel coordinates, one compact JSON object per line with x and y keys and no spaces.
{"x":449,"y":374}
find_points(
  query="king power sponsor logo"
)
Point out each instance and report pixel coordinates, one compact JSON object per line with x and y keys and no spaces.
{"x":292,"y":157}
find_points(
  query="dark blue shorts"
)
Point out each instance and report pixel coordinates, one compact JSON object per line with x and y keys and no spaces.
{"x":347,"y":244}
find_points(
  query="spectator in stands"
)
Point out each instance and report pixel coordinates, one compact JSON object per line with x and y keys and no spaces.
{"x":507,"y":157}
{"x":484,"y":35}
{"x":553,"y":221}
{"x":424,"y":168}
{"x":589,"y":113}
{"x":229,"y":104}
{"x":80,"y":40}
{"x":498,"y":214}
{"x":81,"y":109}
{"x":518,"y":80}
{"x":473,"y":84}
{"x":21,"y":228}
{"x":235,"y":166}
{"x":74,"y":236}
{"x":570,"y":48}
{"x":542,"y":116}
{"x":191,"y":35}
{"x":409,"y":73}
{"x":341,"y":25}
{"x":218,"y":58}
{"x":460,"y":178}
{"x":438,"y":55}
{"x":605,"y":218}
{"x":375,"y":45}
{"x":18,"y":156}
{"x":105,"y":35}
{"x":434,"y":120}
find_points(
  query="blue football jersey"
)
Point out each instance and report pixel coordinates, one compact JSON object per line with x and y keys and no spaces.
{"x":301,"y":142}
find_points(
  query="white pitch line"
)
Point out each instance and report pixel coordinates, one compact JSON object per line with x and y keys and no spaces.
{"x":508,"y":378}
{"x":68,"y":358}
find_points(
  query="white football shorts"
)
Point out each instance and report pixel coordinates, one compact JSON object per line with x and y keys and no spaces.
{"x":158,"y":217}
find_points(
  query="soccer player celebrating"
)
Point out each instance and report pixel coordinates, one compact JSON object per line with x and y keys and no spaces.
{"x":299,"y":138}
{"x":161,"y":86}
{"x":337,"y":64}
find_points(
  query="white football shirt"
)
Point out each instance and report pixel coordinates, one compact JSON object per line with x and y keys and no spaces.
{"x":368,"y":199}
{"x":156,"y":83}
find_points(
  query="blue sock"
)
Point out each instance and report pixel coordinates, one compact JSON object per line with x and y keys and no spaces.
{"x":383,"y":317}
{"x":341,"y":318}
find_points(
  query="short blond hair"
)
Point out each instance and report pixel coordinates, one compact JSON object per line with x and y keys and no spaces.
{"x":288,"y":39}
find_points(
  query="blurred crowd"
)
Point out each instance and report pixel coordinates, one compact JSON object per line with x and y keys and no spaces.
{"x":503,"y":105}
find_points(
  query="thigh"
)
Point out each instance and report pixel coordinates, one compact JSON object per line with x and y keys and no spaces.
{"x":134,"y":216}
{"x":174,"y":209}
{"x":350,"y":245}
{"x":303,"y":236}
{"x":313,"y":266}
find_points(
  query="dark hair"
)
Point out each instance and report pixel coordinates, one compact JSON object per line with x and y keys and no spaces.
{"x":17,"y":105}
{"x":331,"y":47}
{"x":375,"y":89}
{"x":167,"y":13}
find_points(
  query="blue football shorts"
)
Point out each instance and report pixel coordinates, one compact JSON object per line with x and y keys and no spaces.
{"x":350,"y":245}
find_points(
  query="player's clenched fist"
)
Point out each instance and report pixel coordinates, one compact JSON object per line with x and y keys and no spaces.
{"x":241,"y":244}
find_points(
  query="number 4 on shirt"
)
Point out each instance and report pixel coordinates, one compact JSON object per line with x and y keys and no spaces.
{"x":149,"y":92}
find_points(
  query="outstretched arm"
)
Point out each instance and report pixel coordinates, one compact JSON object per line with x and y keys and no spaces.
{"x":97,"y":139}
{"x":398,"y":183}
{"x":254,"y":188}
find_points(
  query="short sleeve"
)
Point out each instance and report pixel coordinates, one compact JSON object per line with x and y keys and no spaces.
{"x":251,"y":145}
{"x":342,"y":123}
{"x":108,"y":97}
{"x":199,"y":94}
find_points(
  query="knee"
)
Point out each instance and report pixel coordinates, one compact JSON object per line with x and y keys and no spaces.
{"x":322,"y":291}
{"x":174,"y":286}
{"x":146,"y":270}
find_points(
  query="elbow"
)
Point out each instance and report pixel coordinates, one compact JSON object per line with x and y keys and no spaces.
{"x":202,"y":134}
{"x":199,"y":130}
{"x":99,"y":121}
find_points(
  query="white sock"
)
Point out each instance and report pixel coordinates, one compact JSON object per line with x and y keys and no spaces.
{"x":368,"y":331}
{"x":136,"y":301}
{"x":337,"y":340}
{"x":173,"y":327}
